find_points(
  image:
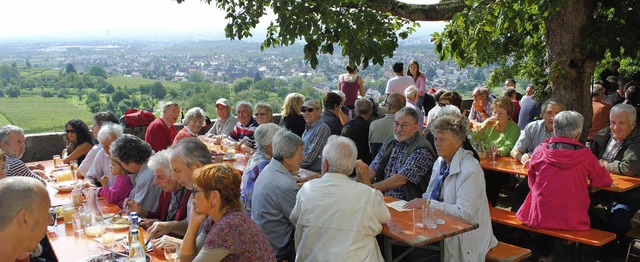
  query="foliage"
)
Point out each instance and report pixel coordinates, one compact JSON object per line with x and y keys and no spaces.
{"x":364,"y":34}
{"x":13,"y":91}
{"x":70,"y":69}
{"x":196,"y":77}
{"x":241,"y":84}
{"x":38,"y":114}
{"x":158,"y":90}
{"x":98,"y":71}
{"x":8,"y":73}
{"x":119,"y":96}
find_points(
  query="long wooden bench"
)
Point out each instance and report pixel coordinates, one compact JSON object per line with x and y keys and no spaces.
{"x":504,"y":252}
{"x":591,"y":237}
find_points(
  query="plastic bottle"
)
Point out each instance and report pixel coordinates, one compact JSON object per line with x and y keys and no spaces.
{"x":135,"y":226}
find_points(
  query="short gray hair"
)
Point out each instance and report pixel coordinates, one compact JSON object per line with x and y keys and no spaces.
{"x":407,"y":111}
{"x":191,"y":150}
{"x":551,"y":102}
{"x":411,"y":91}
{"x":363,"y":106}
{"x":5,"y":131}
{"x":620,"y":108}
{"x":19,"y":193}
{"x":168,"y":104}
{"x":567,"y":124}
{"x":247,"y":104}
{"x":457,"y":126}
{"x":285,"y":144}
{"x":161,"y":161}
{"x":341,"y":154}
{"x":481,"y":90}
{"x":264,"y":134}
{"x":194,"y":114}
{"x":110,"y":131}
{"x":448,"y":110}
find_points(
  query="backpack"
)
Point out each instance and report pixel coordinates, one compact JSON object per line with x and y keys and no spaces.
{"x":137,"y":118}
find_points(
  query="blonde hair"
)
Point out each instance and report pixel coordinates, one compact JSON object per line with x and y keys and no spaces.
{"x":292,"y":104}
{"x":504,"y":103}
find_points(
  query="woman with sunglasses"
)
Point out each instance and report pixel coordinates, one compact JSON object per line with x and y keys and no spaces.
{"x":79,"y":141}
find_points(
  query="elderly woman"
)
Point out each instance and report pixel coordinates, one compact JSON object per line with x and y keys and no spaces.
{"x":457,"y":188}
{"x":292,"y":118}
{"x":559,"y":173}
{"x":499,"y":131}
{"x":274,"y":194}
{"x":229,"y":234}
{"x":449,"y":110}
{"x":3,"y":165}
{"x":257,"y":162}
{"x":79,"y":141}
{"x":99,"y":119}
{"x":193,"y":122}
{"x":263,"y":113}
{"x":481,"y":107}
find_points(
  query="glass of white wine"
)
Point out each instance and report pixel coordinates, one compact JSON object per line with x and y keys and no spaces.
{"x":171,"y":251}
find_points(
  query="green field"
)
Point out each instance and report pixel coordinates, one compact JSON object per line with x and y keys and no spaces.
{"x":38,"y":114}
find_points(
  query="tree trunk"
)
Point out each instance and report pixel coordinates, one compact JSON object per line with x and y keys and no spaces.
{"x":569,"y":69}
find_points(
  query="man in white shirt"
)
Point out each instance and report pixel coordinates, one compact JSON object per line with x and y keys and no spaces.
{"x":225,"y":122}
{"x":398,"y":83}
{"x":337,"y":219}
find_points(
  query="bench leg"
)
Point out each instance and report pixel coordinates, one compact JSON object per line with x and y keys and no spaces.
{"x":558,"y":250}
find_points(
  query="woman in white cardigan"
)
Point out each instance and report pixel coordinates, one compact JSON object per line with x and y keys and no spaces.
{"x":457,"y":187}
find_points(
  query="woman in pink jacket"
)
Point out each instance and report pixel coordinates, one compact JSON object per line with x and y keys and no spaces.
{"x":559,"y":172}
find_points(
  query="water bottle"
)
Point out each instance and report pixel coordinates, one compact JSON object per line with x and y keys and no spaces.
{"x":136,"y":251}
{"x":135,"y":226}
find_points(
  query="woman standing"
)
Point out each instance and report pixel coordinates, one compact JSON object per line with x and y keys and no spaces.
{"x":79,"y":141}
{"x":350,"y":84}
{"x":425,"y":101}
{"x":457,"y":188}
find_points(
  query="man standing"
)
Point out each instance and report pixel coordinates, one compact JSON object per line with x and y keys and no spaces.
{"x":315,"y":135}
{"x":161,"y":132}
{"x":398,"y":83}
{"x":225,"y":122}
{"x":528,"y":108}
{"x":402,"y":167}
{"x":132,"y":154}
{"x":617,"y":147}
{"x":382,"y":128}
{"x":319,"y":236}
{"x":12,"y":143}
{"x":25,"y":216}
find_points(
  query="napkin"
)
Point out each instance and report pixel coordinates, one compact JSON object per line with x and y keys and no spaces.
{"x":398,"y":205}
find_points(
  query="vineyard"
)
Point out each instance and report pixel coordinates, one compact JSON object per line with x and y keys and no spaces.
{"x":39,"y":115}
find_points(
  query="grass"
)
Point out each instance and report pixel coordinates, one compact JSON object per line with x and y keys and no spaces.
{"x":135,"y":82}
{"x":39,"y":115}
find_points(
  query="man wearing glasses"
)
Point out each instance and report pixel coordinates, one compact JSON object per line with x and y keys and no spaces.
{"x":315,"y":135}
{"x":402,"y":167}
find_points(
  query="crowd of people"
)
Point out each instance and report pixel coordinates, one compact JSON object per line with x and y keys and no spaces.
{"x":419,"y":148}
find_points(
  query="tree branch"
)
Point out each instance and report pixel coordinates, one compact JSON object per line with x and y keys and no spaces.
{"x":418,"y":12}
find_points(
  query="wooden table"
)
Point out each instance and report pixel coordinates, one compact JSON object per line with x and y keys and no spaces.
{"x":511,"y":166}
{"x":69,"y":246}
{"x":401,"y":228}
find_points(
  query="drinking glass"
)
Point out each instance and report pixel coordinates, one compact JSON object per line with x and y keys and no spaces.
{"x":171,"y":251}
{"x":418,"y":217}
{"x":430,"y":220}
{"x":67,"y":212}
{"x":494,"y":154}
{"x":77,"y":222}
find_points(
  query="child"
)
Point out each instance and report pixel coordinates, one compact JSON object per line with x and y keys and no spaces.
{"x":121,"y":187}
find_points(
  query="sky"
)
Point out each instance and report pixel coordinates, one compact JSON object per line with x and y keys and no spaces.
{"x":74,"y":19}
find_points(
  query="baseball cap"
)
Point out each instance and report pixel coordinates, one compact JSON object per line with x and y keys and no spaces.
{"x":223,"y":101}
{"x":312,"y":104}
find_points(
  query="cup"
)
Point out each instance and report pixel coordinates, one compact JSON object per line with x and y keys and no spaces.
{"x":74,"y":165}
{"x":418,"y":217}
{"x":57,"y":160}
{"x":231,"y":153}
{"x":171,"y":251}
{"x":67,"y":212}
{"x":430,"y":220}
{"x":78,"y":224}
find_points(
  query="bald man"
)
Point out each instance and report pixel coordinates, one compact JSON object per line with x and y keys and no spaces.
{"x":382,"y":128}
{"x":24,"y":216}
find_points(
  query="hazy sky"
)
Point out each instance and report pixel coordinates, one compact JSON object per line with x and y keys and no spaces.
{"x":34,"y":19}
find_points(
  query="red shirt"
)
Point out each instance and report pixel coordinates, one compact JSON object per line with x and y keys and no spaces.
{"x":160,"y":135}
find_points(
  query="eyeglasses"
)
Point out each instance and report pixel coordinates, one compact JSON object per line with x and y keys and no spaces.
{"x":70,"y":131}
{"x":403,"y":125}
{"x":304,"y":110}
{"x":260,"y":114}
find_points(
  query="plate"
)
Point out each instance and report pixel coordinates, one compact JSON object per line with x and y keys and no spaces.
{"x":228,"y":158}
{"x":117,"y":226}
{"x":66,"y":186}
{"x":108,"y":215}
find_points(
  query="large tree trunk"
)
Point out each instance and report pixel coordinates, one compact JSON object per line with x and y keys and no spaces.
{"x":569,"y":69}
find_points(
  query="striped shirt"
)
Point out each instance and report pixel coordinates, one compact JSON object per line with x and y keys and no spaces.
{"x":15,"y":167}
{"x":239,"y":132}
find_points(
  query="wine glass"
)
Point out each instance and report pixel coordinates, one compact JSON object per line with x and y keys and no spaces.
{"x":171,"y":251}
{"x":494,"y":154}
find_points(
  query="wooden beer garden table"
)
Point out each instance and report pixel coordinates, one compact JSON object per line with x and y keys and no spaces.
{"x":401,"y":228}
{"x":510,"y":165}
